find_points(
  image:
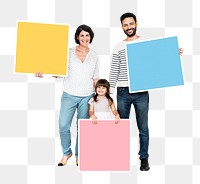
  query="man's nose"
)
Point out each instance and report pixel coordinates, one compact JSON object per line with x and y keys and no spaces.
{"x":129,"y":26}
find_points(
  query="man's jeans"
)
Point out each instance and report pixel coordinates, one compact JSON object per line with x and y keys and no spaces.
{"x":69,"y":104}
{"x":141,"y":105}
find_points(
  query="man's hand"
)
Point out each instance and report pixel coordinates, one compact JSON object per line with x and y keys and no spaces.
{"x":181,"y":51}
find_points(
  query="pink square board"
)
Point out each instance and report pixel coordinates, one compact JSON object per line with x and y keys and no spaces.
{"x":104,"y":146}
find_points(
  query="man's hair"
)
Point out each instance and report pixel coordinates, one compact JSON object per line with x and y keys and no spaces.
{"x":126,"y":15}
{"x":83,"y":28}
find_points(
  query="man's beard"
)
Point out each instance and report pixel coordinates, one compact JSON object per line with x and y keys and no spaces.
{"x":132,"y":34}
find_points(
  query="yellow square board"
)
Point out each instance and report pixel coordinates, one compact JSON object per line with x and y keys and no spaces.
{"x":42,"y":48}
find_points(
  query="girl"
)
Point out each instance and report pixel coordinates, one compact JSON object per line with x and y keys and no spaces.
{"x":102,"y":105}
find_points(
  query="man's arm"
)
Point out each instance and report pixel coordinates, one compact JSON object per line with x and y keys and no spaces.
{"x":114,"y":71}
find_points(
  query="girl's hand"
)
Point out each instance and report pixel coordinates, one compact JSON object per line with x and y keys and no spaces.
{"x":117,"y":119}
{"x":39,"y":74}
{"x":181,"y":51}
{"x":94,"y":119}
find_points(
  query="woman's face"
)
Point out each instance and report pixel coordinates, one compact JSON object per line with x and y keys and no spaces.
{"x":84,"y":38}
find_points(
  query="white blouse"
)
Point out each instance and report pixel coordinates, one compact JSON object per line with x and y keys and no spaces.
{"x":81,"y":75}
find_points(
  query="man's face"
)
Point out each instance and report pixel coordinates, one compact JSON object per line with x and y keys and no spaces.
{"x":129,"y":26}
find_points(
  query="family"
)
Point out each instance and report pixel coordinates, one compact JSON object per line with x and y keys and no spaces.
{"x":90,"y":96}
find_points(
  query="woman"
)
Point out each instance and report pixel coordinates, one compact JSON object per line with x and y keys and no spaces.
{"x":78,"y":88}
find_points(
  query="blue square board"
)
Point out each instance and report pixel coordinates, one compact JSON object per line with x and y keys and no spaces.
{"x":154,"y":64}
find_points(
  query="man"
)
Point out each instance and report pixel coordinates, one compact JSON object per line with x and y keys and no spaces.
{"x":118,"y":73}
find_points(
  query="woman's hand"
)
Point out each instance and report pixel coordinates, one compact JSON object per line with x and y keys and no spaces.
{"x":39,"y":74}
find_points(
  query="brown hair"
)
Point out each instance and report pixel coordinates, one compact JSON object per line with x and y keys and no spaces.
{"x":104,"y":83}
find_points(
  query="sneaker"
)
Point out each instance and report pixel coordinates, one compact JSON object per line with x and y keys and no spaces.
{"x":144,"y":165}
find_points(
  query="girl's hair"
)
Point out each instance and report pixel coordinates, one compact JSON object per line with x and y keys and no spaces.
{"x":104,"y":83}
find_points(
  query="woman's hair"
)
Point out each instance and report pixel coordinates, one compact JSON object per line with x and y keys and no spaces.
{"x":104,"y":83}
{"x":83,"y":28}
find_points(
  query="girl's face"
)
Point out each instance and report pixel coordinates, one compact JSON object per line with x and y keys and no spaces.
{"x":101,"y":90}
{"x":84,"y":38}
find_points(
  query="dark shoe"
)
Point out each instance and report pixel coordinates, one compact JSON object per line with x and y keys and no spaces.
{"x":144,"y":165}
{"x":77,"y":161}
{"x":63,"y":163}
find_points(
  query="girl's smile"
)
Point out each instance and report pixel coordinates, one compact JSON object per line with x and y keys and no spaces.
{"x":101,"y":91}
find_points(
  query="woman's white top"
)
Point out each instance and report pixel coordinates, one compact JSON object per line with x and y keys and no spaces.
{"x":81,"y":75}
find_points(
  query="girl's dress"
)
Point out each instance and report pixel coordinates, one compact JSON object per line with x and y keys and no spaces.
{"x":102,"y":108}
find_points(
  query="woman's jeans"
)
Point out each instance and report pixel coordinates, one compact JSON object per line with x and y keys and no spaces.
{"x":69,"y":104}
{"x":141,"y":105}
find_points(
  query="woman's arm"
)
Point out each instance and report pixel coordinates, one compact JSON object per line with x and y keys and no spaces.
{"x":96,"y":72}
{"x":95,"y":81}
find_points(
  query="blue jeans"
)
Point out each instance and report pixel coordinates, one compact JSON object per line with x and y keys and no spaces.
{"x":141,"y":104}
{"x":69,"y":104}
